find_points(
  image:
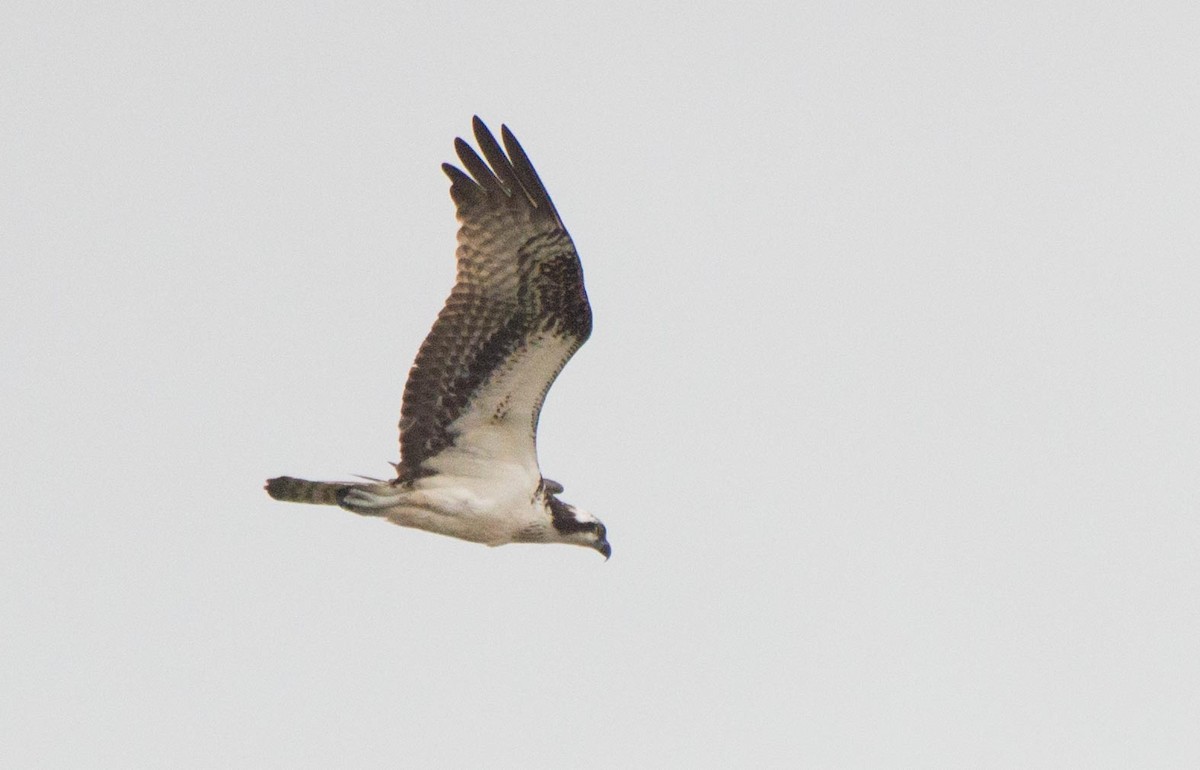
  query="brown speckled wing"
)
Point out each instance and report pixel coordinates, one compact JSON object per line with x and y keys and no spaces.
{"x":516,"y":315}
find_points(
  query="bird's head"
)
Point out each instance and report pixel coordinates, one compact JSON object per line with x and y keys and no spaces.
{"x":577,"y":526}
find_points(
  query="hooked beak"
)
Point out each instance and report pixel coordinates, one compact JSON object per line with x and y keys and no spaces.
{"x":604,"y":548}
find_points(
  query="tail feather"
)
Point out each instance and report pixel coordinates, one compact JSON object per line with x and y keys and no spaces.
{"x":293,"y":490}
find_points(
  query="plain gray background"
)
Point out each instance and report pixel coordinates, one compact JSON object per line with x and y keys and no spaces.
{"x":891,"y":405}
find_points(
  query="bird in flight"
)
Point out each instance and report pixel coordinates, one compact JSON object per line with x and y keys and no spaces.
{"x":468,"y":422}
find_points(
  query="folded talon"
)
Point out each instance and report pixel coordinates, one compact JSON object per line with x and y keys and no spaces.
{"x":364,"y":501}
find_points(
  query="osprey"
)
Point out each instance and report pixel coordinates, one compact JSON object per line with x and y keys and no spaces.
{"x":468,"y":422}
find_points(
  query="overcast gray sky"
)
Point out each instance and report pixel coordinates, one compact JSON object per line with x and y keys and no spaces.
{"x":890,"y":408}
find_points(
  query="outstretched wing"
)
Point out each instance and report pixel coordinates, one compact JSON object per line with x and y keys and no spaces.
{"x":516,"y":315}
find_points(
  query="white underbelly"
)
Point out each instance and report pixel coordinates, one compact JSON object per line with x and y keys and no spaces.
{"x":459,"y":512}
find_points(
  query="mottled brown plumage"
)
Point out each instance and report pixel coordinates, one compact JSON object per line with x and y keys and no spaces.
{"x":518,"y":274}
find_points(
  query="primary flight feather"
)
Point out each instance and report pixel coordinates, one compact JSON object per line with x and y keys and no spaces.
{"x":468,"y":423}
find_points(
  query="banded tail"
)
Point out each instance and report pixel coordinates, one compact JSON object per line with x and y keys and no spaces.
{"x":292,"y":490}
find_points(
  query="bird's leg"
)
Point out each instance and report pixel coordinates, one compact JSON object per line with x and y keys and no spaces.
{"x":372,"y":500}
